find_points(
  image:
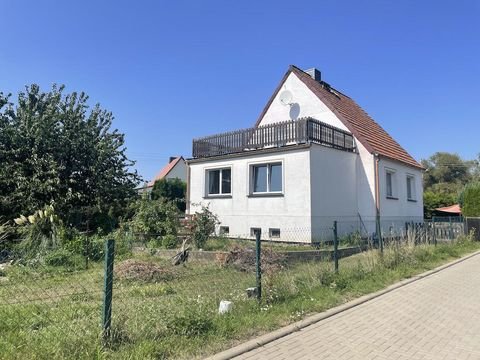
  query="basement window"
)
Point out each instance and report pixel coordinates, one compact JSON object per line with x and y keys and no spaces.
{"x":254,"y":231}
{"x":274,"y":233}
{"x":224,"y":230}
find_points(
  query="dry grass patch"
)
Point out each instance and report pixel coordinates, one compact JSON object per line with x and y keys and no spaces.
{"x":137,"y":270}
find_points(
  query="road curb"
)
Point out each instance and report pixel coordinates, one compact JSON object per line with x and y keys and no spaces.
{"x":287,"y":330}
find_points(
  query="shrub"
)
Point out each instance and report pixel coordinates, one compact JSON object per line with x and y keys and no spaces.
{"x":60,"y":257}
{"x":171,"y":190}
{"x":470,"y":199}
{"x":203,"y":225}
{"x":155,"y":218}
{"x":38,"y":231}
{"x":169,"y":242}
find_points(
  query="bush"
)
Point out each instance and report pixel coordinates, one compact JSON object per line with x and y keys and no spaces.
{"x":204,"y":223}
{"x":155,"y":218}
{"x":169,"y":242}
{"x":470,"y":199}
{"x":60,"y":257}
{"x":171,"y":190}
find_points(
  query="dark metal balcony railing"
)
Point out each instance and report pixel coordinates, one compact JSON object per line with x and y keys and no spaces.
{"x":274,"y":135}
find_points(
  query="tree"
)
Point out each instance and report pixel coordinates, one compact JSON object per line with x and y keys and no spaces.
{"x":470,"y":199}
{"x":171,"y":190}
{"x":55,"y":150}
{"x":446,"y":171}
{"x":444,"y":178}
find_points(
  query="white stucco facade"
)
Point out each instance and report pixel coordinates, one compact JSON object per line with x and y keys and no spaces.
{"x":320,"y":184}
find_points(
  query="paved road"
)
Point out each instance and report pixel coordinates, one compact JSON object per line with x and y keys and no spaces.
{"x":437,"y":317}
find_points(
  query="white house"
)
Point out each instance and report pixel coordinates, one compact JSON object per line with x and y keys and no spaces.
{"x":313,"y":156}
{"x":175,"y":169}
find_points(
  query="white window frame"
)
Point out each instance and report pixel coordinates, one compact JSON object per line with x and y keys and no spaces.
{"x":207,"y":182}
{"x":413,"y":188}
{"x":393,"y":184}
{"x":268,"y":164}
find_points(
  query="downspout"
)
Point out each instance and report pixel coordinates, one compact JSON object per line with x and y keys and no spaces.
{"x":377,"y":202}
{"x":187,"y":197}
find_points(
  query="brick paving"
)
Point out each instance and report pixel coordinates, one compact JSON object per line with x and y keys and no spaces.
{"x":437,"y":317}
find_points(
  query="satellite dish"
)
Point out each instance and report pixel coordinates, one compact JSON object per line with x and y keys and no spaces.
{"x":286,"y":97}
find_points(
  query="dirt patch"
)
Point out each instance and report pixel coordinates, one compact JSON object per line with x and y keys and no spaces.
{"x":142,"y":271}
{"x":243,"y":259}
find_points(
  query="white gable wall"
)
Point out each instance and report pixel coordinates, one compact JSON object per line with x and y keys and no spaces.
{"x":305,"y":104}
{"x":310,"y":105}
{"x":179,"y":171}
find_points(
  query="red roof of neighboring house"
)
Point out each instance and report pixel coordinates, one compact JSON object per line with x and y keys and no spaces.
{"x":164,"y":172}
{"x":370,"y":134}
{"x":453,"y":209}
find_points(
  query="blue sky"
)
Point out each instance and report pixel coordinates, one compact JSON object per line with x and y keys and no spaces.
{"x":171,"y":71}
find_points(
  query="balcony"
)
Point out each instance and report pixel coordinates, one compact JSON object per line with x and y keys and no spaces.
{"x":280,"y":134}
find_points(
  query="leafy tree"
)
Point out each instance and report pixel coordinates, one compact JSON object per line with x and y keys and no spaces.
{"x":171,"y":190}
{"x":55,"y":150}
{"x":470,"y":199}
{"x":444,"y":178}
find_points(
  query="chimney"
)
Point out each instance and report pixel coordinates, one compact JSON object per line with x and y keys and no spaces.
{"x":315,"y":74}
{"x":171,"y":159}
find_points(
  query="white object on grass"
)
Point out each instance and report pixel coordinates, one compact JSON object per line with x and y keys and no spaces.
{"x":225,"y":307}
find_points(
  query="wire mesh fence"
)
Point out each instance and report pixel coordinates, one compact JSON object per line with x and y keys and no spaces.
{"x":77,"y":305}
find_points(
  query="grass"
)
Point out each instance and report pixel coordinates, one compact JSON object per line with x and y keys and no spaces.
{"x":54,"y":313}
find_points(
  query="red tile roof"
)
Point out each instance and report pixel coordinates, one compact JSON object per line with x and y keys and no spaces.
{"x":370,"y":134}
{"x":164,"y":172}
{"x":452,"y":209}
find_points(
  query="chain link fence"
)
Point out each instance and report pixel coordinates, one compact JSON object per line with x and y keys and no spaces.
{"x":126,"y":296}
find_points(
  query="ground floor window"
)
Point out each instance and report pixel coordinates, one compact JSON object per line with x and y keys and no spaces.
{"x":266,"y":178}
{"x":219,"y":181}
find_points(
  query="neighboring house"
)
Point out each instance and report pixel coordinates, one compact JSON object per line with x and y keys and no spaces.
{"x":452,"y":210}
{"x":176,"y":168}
{"x":313,"y":156}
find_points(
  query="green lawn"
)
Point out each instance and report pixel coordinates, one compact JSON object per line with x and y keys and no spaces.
{"x":51,"y":313}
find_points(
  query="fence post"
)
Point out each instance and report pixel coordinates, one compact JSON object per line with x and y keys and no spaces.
{"x":86,"y":251}
{"x":434,"y":231}
{"x":335,"y":245}
{"x":258,"y":266}
{"x":451,"y":227}
{"x":379,"y":233}
{"x":108,"y":287}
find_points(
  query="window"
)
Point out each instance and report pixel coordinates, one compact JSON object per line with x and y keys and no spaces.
{"x":411,"y":188}
{"x":274,"y":233}
{"x":390,"y":183}
{"x":254,"y":231}
{"x":224,"y":230}
{"x":219,"y":181}
{"x":266,"y":178}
